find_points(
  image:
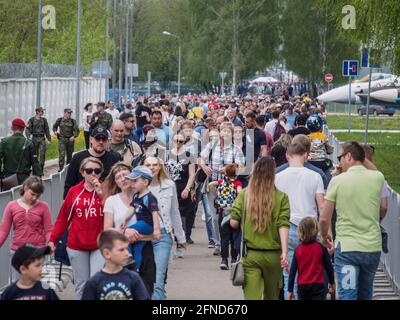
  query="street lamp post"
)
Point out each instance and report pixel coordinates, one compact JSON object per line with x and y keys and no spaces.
{"x":179,"y":58}
{"x":39,"y":58}
{"x":78,"y":64}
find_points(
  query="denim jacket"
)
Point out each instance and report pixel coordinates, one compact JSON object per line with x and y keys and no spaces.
{"x":169,"y":209}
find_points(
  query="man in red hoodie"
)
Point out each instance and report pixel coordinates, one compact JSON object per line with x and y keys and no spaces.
{"x":82,"y":213}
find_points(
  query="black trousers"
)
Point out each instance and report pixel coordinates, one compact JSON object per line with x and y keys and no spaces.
{"x":87,"y":135}
{"x":315,"y":291}
{"x":187,"y":209}
{"x":227,"y":240}
{"x":147,"y":270}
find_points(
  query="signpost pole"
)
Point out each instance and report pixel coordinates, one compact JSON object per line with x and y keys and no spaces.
{"x":368,"y":101}
{"x":349,"y":120}
{"x":148,"y":83}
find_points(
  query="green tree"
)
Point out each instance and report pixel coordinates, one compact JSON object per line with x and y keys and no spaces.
{"x":312,"y":46}
{"x":18,"y":26}
{"x":377,"y":27}
{"x":232,"y":35}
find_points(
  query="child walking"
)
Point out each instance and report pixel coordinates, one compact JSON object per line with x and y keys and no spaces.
{"x":320,"y":148}
{"x":144,"y":205}
{"x":226,"y":191}
{"x":114,"y":282}
{"x":310,"y":261}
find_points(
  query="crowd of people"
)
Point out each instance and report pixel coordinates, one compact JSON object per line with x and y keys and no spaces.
{"x":259,"y":166}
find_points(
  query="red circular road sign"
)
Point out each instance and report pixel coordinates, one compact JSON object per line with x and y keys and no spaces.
{"x":328,"y":77}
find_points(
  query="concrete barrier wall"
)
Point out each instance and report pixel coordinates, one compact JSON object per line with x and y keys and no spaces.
{"x":18,"y":98}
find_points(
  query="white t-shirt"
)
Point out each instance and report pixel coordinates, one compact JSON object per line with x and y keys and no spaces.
{"x":385,"y":190}
{"x":301,"y":185}
{"x":87,"y":117}
{"x":271,"y":125}
{"x":114,"y":113}
{"x":117,"y":207}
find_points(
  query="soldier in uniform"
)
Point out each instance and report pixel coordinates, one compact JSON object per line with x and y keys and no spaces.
{"x":67,"y":134}
{"x":38,"y":130}
{"x":101,"y":118}
{"x":17,"y":154}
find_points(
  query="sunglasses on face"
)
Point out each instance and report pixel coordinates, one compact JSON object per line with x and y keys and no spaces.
{"x":101,"y":139}
{"x":342,"y":155}
{"x":180,"y":141}
{"x":91,"y":170}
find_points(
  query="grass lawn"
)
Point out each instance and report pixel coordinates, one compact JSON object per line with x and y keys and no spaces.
{"x":358,"y":122}
{"x":52,"y":149}
{"x":387,"y":153}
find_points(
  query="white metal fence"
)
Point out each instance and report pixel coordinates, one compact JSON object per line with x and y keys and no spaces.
{"x":18,"y":98}
{"x":391,"y":223}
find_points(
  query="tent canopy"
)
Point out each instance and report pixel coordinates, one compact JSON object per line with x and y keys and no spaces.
{"x":264,"y":80}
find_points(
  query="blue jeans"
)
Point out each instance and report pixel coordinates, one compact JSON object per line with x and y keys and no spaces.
{"x":136,"y":248}
{"x":207,"y":214}
{"x":292,"y":245}
{"x":214,"y":217}
{"x":139,"y":133}
{"x":162,"y":252}
{"x":355,"y":273}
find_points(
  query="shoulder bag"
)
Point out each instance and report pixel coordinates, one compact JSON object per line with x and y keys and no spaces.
{"x":237,"y":271}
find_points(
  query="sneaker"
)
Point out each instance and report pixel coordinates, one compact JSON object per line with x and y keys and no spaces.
{"x":179,"y":253}
{"x":224,"y":264}
{"x":217,"y":251}
{"x":130,"y":263}
{"x":211,"y":244}
{"x":189,"y":241}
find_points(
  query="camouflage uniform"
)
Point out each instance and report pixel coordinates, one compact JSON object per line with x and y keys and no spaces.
{"x":103,"y":119}
{"x":17,"y":155}
{"x":68,"y":128}
{"x":39,"y":130}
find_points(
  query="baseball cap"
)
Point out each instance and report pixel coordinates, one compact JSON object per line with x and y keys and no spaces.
{"x":39,"y":109}
{"x":28,"y":251}
{"x":18,"y":122}
{"x":100,"y":131}
{"x":140,"y":172}
{"x":68,"y":110}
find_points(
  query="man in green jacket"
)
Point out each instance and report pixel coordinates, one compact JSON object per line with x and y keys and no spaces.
{"x":101,"y":118}
{"x":38,"y":130}
{"x":17,"y":154}
{"x":68,"y":132}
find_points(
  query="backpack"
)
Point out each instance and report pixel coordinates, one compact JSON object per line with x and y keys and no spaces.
{"x":279,"y":130}
{"x":226,"y":194}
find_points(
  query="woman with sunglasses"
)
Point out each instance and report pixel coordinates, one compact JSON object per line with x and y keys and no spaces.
{"x":82,"y":213}
{"x":163,"y":188}
{"x":181,"y":167}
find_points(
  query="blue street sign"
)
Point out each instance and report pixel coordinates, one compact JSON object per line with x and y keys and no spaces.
{"x":364,"y":59}
{"x":350,"y":68}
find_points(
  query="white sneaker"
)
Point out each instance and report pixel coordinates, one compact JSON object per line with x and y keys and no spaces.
{"x":179,"y":253}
